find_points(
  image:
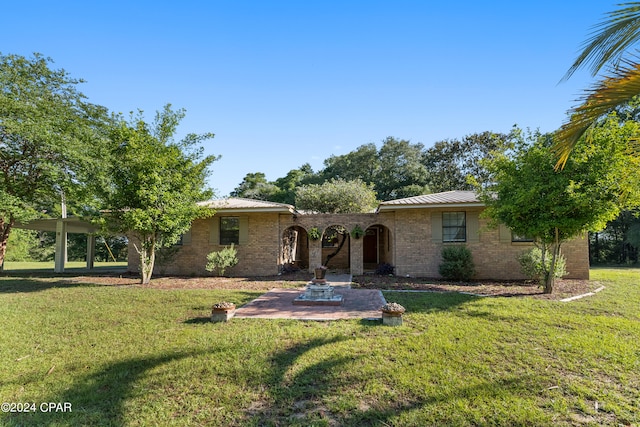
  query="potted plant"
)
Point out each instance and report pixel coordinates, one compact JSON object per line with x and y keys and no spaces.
{"x":314,"y":233}
{"x":357,"y":232}
{"x":392,"y":314}
{"x":222,"y":311}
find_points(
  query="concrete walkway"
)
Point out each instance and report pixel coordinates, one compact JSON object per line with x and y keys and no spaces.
{"x":278,"y":304}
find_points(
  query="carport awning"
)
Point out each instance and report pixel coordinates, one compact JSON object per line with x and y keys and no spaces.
{"x":73,"y":225}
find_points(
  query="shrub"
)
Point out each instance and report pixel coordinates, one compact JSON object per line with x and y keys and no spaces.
{"x":385,"y":269}
{"x":221,"y":260}
{"x":314,"y":233}
{"x":532,"y":267}
{"x":457,"y":263}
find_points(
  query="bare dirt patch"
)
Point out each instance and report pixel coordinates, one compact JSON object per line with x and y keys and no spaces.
{"x":293,"y":280}
{"x":563,"y":288}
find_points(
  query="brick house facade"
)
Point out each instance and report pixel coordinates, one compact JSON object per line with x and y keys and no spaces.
{"x":407,"y":233}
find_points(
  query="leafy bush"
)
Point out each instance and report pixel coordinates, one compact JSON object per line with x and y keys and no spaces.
{"x":221,"y":260}
{"x":314,"y":233}
{"x":457,"y":263}
{"x":532,"y":267}
{"x":385,"y":269}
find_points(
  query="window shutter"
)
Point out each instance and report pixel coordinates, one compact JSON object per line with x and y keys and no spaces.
{"x":505,"y":233}
{"x":214,"y":231}
{"x":243,"y":237}
{"x":473,"y":227}
{"x":436,"y":226}
{"x":186,"y":238}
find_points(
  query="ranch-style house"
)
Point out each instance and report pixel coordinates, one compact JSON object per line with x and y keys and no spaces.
{"x":407,"y":234}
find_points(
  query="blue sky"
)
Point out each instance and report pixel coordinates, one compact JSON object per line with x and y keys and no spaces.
{"x":282,"y":83}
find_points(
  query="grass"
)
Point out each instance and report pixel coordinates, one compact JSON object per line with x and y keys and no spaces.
{"x":14,"y":266}
{"x":134,"y":356}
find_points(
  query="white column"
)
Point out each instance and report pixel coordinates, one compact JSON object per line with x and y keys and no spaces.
{"x":61,"y":246}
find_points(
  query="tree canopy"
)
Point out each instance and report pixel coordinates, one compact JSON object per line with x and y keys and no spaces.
{"x":399,"y":168}
{"x":337,"y":196}
{"x":607,"y":48}
{"x":156,"y":183}
{"x":534,"y":200}
{"x":52,"y":141}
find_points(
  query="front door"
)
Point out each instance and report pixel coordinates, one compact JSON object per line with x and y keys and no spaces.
{"x":370,"y":246}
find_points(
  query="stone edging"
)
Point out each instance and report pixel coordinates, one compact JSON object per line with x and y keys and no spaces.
{"x":588,"y":294}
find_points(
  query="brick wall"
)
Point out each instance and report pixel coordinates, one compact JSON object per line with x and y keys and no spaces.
{"x":258,"y":255}
{"x":418,"y":249}
{"x":413,"y":248}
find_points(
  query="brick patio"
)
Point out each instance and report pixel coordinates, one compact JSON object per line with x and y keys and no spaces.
{"x":278,"y":304}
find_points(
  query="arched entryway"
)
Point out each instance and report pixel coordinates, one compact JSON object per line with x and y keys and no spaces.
{"x":336,"y":247}
{"x":295,"y":249}
{"x":376,"y":247}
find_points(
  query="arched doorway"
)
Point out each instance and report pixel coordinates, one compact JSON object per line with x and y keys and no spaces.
{"x":336,"y":247}
{"x":376,"y":247}
{"x":295,"y":249}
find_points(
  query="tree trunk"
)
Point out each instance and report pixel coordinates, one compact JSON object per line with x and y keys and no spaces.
{"x":550,"y":279}
{"x":289,"y":246}
{"x":147,"y":259}
{"x":5,"y":230}
{"x":345,"y":236}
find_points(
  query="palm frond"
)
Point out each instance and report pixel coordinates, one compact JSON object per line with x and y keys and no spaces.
{"x":609,"y":39}
{"x":614,"y":90}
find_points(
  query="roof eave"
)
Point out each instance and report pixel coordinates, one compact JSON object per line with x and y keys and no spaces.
{"x":254,"y":210}
{"x":393,"y":207}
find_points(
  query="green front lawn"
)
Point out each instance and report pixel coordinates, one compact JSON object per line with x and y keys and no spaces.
{"x":123,"y":355}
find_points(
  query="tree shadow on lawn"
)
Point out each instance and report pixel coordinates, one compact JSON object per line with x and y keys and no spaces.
{"x":100,"y":398}
{"x":291,"y":398}
{"x":303,"y":398}
{"x":9,"y":285}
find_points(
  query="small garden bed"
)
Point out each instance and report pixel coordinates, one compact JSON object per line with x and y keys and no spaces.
{"x":564,"y":287}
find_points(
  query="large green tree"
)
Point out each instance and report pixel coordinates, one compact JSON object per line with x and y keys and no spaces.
{"x":607,"y":48}
{"x":50,"y":141}
{"x":337,"y":196}
{"x":156,"y":183}
{"x":454,"y":163}
{"x":255,"y":186}
{"x":396,"y":169}
{"x":534,"y":200}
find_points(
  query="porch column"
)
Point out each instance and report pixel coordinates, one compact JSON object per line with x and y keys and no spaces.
{"x":61,"y":246}
{"x":315,"y":254}
{"x":356,"y":256}
{"x":91,"y":250}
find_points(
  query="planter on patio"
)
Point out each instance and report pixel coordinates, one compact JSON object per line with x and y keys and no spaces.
{"x":222,"y":311}
{"x":392,"y":314}
{"x":320,"y":273}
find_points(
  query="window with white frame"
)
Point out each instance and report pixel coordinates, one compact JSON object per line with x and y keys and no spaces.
{"x":454,"y":227}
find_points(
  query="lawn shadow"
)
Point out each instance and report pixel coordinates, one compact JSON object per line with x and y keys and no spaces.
{"x":292,"y":396}
{"x":198,"y":320}
{"x":37,"y":284}
{"x":304,"y":397}
{"x":113,"y":385}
